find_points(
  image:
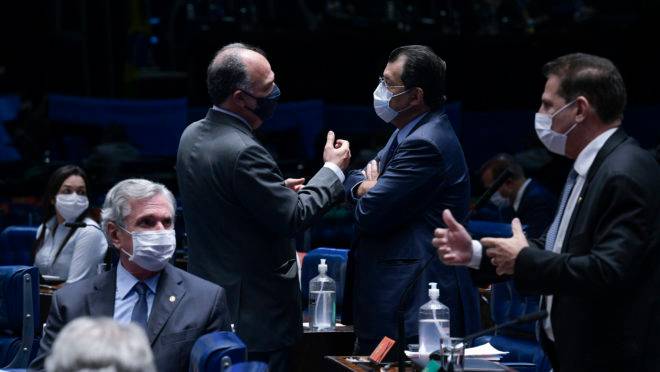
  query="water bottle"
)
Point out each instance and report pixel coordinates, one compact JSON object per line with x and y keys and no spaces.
{"x":433,"y":322}
{"x":322,"y":300}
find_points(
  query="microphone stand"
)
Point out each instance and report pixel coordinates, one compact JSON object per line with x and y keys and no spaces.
{"x":400,"y":311}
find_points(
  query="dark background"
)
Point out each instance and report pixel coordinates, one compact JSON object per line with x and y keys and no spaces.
{"x":331,"y":51}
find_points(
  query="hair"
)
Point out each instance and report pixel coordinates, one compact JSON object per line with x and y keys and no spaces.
{"x":227,"y":73}
{"x":423,"y":69}
{"x":100,"y":344}
{"x":593,"y":77}
{"x":48,"y":209}
{"x":499,"y":163}
{"x":117,"y":204}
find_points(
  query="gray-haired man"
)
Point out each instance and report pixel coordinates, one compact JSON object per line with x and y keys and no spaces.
{"x":174,"y":307}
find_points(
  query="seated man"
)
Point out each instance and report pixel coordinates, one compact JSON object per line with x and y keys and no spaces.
{"x":174,"y":307}
{"x":100,"y":344}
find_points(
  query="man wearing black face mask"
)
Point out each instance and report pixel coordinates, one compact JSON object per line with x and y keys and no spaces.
{"x":241,"y":213}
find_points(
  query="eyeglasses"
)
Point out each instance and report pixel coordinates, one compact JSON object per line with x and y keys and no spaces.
{"x":382,"y":81}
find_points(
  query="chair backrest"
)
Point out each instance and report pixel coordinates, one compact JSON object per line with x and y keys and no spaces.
{"x":16,"y":245}
{"x":216,"y":351}
{"x":336,"y":259}
{"x":19,"y":310}
{"x":479,"y":229}
{"x":248,"y":367}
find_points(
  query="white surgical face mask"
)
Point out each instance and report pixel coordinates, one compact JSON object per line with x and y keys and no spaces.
{"x":70,"y":206}
{"x":553,"y":141}
{"x":152,"y":249}
{"x":499,"y":200}
{"x":382,"y":98}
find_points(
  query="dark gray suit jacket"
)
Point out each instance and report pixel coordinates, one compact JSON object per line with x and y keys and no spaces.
{"x":240,"y":219}
{"x":200,"y":308}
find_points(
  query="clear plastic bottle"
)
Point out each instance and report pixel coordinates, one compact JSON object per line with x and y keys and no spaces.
{"x":433,"y":322}
{"x":322,"y":291}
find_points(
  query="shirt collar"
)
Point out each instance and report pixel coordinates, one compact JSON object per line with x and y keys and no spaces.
{"x":588,"y":154}
{"x":521,"y":191}
{"x":405,"y":131}
{"x":216,"y":108}
{"x":126,"y":281}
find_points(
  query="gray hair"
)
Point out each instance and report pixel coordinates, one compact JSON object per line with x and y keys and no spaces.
{"x":100,"y":345}
{"x":117,"y":202}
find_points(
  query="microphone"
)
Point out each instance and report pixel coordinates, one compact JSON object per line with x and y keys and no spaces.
{"x":531,"y":317}
{"x":483,"y":199}
{"x":526,"y":318}
{"x":400,"y":313}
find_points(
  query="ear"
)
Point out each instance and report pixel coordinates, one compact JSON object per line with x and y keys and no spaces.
{"x":418,"y":96}
{"x":583,"y":108}
{"x":113,"y":234}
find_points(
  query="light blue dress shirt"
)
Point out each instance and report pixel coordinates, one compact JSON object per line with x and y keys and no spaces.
{"x":126,"y":297}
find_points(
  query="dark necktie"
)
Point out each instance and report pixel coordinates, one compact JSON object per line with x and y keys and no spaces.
{"x":390,"y":151}
{"x":139,"y":315}
{"x":551,"y":237}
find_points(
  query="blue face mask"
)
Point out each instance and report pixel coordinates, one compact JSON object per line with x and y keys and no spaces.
{"x":266,"y":105}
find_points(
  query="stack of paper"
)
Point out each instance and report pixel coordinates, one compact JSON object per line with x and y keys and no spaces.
{"x":485,"y":351}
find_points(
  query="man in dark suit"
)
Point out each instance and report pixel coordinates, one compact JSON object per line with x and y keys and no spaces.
{"x":598,"y":264}
{"x":399,"y":197}
{"x":174,"y":307}
{"x":241,"y":213}
{"x":523,"y":197}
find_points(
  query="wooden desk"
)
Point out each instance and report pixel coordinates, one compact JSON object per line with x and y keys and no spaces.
{"x":340,"y":363}
{"x":310,"y":351}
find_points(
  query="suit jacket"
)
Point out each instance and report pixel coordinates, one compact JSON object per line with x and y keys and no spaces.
{"x":200,"y":308}
{"x":395,"y":222}
{"x":606,"y":306}
{"x":240,"y":219}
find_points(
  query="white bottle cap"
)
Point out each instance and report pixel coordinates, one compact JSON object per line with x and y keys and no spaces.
{"x":434,"y":292}
{"x":323,"y":268}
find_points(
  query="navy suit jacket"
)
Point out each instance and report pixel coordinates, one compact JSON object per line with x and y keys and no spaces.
{"x":395,"y":222}
{"x":200,"y":307}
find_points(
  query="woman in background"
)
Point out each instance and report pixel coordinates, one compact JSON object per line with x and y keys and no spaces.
{"x":68,"y":253}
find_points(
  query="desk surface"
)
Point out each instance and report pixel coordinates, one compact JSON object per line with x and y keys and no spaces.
{"x":341,"y":363}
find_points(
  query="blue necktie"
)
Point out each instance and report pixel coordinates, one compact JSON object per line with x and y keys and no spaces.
{"x":139,"y":315}
{"x":551,"y":237}
{"x":390,"y":151}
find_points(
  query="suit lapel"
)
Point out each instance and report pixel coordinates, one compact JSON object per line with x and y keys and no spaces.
{"x":169,"y":293}
{"x":612,"y":143}
{"x":101,"y":302}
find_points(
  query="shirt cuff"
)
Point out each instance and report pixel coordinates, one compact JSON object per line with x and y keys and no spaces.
{"x":354,"y":190}
{"x":333,"y":167}
{"x":477,"y":252}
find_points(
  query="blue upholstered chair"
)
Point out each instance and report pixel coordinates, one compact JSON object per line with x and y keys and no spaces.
{"x":16,"y":245}
{"x":336,"y":259}
{"x":19,"y":315}
{"x":217,"y":351}
{"x":507,"y":304}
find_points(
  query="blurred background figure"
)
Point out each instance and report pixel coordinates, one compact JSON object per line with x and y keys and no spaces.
{"x":101,"y":344}
{"x":65,"y":253}
{"x":519,"y":196}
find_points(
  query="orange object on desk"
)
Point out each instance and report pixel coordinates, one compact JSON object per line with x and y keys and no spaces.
{"x":381,"y":350}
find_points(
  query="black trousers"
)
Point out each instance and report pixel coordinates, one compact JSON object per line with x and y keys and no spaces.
{"x":280,"y":360}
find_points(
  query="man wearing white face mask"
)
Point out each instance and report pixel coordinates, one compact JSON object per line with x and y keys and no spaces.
{"x":174,"y":307}
{"x":597,"y":266}
{"x":399,"y":198}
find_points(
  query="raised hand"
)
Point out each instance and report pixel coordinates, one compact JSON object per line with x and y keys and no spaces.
{"x":337,"y":151}
{"x":503,"y":251}
{"x":454,"y":244}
